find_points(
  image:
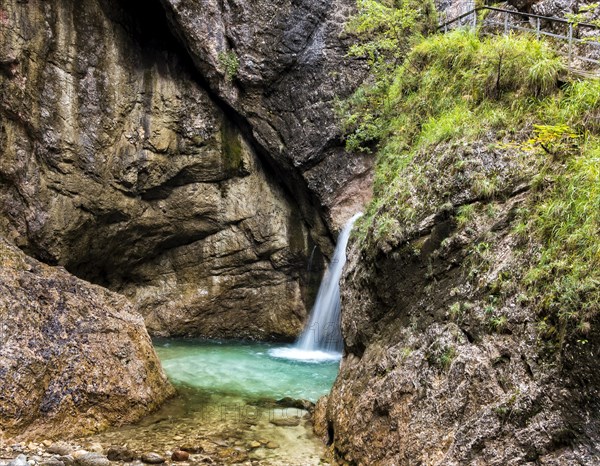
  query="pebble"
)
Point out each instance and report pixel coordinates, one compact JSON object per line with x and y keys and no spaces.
{"x":117,"y":453}
{"x":60,"y":448}
{"x":20,"y":460}
{"x":152,"y":458}
{"x":254,"y":444}
{"x":180,"y":455}
{"x":52,"y":462}
{"x":272,"y":445}
{"x":286,"y":421}
{"x":91,"y":459}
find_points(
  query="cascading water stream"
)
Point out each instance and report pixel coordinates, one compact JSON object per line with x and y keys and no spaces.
{"x":322,"y":337}
{"x":224,"y":385}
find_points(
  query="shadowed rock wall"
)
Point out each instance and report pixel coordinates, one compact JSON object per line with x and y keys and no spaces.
{"x":119,"y":164}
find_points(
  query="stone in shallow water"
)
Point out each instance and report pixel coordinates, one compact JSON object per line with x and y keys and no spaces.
{"x":152,"y":458}
{"x":52,"y":462}
{"x":180,"y":455}
{"x":232,"y":455}
{"x":117,"y":453}
{"x":60,"y":448}
{"x":206,"y":460}
{"x":286,"y":421}
{"x":194,"y":449}
{"x":92,"y":459}
{"x":288,"y":402}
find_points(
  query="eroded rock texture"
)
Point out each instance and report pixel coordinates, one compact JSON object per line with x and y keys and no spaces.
{"x":120,"y":163}
{"x":445,"y":361}
{"x":280,"y":67}
{"x":74,"y":357}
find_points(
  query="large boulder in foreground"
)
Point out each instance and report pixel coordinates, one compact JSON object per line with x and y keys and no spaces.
{"x":74,"y":357}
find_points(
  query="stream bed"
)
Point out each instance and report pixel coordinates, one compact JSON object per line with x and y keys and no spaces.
{"x":227,"y":406}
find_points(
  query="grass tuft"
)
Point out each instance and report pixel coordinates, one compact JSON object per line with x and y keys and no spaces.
{"x":427,"y":123}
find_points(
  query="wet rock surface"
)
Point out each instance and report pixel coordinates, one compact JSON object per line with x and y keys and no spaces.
{"x":180,"y":455}
{"x":119,"y":453}
{"x":74,"y":357}
{"x":92,"y":459}
{"x":152,"y":458}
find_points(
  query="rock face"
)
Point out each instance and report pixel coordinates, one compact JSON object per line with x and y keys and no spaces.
{"x":139,"y":170}
{"x":280,"y":67}
{"x":74,"y":357}
{"x":439,"y":369}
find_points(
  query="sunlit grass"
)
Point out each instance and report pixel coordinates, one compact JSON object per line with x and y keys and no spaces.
{"x":452,"y":92}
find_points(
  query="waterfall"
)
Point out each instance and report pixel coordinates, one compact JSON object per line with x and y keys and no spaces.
{"x":323,"y":333}
{"x":322,"y":336}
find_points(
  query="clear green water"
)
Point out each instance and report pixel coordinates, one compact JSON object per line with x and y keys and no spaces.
{"x":245,"y":370}
{"x":225,"y":404}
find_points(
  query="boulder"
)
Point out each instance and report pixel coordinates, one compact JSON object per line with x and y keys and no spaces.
{"x":74,"y":357}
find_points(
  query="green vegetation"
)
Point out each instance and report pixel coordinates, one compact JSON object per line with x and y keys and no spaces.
{"x":441,"y":357}
{"x":458,"y":116}
{"x":566,"y":220}
{"x":230,"y":63}
{"x":387,"y":29}
{"x":585,"y":14}
{"x":451,"y":90}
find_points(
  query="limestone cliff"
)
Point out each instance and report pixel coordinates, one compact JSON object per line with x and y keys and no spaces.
{"x":440,"y":371}
{"x":74,"y":357}
{"x":125,"y":162}
{"x":280,"y":67}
